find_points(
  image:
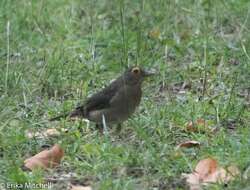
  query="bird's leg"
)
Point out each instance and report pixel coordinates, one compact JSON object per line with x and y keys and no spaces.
{"x":119,"y":128}
{"x":99,"y":127}
{"x":80,"y":127}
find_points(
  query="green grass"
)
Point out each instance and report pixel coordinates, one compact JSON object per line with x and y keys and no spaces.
{"x":53,"y":54}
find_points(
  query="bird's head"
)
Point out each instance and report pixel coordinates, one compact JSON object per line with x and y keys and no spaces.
{"x":136,"y":75}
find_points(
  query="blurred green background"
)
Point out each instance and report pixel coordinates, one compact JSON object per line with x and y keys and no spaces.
{"x":53,"y":54}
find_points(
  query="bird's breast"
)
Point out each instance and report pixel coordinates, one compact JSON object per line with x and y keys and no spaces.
{"x":128,"y":99}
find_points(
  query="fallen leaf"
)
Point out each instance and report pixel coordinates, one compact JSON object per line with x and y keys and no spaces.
{"x":233,"y":172}
{"x":189,"y":144}
{"x":79,"y":187}
{"x":193,"y":181}
{"x":197,"y":126}
{"x":205,"y":168}
{"x":31,"y":135}
{"x":45,"y":159}
{"x":207,"y":171}
{"x":52,"y":132}
{"x":47,"y":133}
{"x":154,"y":33}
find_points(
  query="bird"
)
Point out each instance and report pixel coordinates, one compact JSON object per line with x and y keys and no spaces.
{"x":116,"y":102}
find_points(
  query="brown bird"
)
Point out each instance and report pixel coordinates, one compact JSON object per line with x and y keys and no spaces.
{"x":115,"y":103}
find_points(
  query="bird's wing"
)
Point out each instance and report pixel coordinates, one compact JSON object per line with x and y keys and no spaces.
{"x":98,"y":101}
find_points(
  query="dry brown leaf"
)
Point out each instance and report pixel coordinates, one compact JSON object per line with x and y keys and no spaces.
{"x":222,"y":175}
{"x":189,"y":144}
{"x":193,"y":181}
{"x":154,"y":33}
{"x":47,"y":133}
{"x":45,"y":159}
{"x":31,"y":135}
{"x":219,"y":175}
{"x":233,"y":171}
{"x":206,"y":167}
{"x":52,"y":132}
{"x":196,"y":126}
{"x":79,"y":187}
{"x":207,"y":171}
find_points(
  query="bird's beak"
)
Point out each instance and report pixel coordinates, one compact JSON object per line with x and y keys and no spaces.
{"x":149,"y":73}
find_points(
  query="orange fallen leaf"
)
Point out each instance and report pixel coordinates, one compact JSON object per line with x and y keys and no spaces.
{"x":196,"y":126}
{"x":45,"y":159}
{"x":205,"y":168}
{"x":207,"y":171}
{"x":189,"y":144}
{"x":79,"y":187}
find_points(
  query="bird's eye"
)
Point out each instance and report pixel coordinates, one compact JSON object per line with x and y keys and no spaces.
{"x":136,"y":70}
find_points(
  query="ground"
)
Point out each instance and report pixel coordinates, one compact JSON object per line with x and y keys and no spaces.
{"x":53,"y":54}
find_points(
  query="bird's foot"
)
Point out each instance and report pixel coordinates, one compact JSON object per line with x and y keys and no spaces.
{"x":119,"y":128}
{"x":100,"y":128}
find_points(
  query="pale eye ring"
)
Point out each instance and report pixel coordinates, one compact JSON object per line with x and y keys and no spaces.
{"x":136,"y":70}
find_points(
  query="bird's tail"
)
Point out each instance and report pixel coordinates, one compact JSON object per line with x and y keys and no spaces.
{"x":78,"y":112}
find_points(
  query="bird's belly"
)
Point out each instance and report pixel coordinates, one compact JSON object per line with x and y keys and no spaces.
{"x":114,"y":115}
{"x":119,"y":110}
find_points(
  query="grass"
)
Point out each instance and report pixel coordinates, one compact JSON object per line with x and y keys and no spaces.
{"x":53,"y":54}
